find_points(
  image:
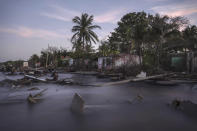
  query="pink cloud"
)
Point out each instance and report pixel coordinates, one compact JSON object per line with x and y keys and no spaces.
{"x":109,"y":17}
{"x":56,"y":16}
{"x":178,"y":9}
{"x":183,"y":12}
{"x":32,"y":33}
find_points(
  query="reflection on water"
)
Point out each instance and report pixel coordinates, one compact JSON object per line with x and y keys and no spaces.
{"x":107,"y":108}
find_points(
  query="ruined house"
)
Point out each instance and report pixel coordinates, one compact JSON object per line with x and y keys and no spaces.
{"x":113,"y":62}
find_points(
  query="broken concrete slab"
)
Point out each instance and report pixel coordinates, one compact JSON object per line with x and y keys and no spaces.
{"x":77,"y":104}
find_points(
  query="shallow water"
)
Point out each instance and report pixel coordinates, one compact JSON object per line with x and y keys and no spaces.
{"x":107,"y":108}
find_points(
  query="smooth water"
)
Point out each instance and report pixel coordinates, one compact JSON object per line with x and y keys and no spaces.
{"x":107,"y":108}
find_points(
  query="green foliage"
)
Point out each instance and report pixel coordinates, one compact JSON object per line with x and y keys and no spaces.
{"x":53,"y":56}
{"x":150,"y":36}
{"x":33,"y":60}
{"x":190,"y":37}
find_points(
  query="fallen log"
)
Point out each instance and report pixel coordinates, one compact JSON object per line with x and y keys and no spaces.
{"x":150,"y":77}
{"x":133,"y":79}
{"x":115,"y":83}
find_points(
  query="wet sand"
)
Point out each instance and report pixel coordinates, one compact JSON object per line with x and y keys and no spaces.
{"x":107,"y":108}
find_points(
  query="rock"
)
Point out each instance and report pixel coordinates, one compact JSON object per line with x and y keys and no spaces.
{"x":186,"y":106}
{"x":77,"y":104}
{"x":176,"y":104}
{"x":140,"y":97}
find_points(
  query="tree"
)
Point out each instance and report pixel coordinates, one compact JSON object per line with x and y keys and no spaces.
{"x":190,"y":37}
{"x":131,"y":33}
{"x":52,"y":56}
{"x":139,"y":33}
{"x":165,"y":34}
{"x":34,"y":59}
{"x":83,"y":32}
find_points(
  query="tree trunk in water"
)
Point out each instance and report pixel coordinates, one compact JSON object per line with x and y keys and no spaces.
{"x":140,"y":56}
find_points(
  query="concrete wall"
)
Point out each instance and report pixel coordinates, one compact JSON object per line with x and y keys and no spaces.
{"x":127,"y":60}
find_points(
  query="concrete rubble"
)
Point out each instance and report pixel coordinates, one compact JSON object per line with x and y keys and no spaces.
{"x":77,"y":105}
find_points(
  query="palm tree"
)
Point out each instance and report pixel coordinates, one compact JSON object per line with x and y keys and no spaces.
{"x":104,"y":48}
{"x":83,"y":31}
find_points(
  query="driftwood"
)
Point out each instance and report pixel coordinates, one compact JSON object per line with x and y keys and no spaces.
{"x":34,"y":98}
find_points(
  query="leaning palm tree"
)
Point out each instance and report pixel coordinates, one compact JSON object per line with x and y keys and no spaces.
{"x":83,"y":31}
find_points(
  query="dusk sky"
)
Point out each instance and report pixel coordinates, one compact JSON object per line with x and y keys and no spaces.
{"x":28,"y":26}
